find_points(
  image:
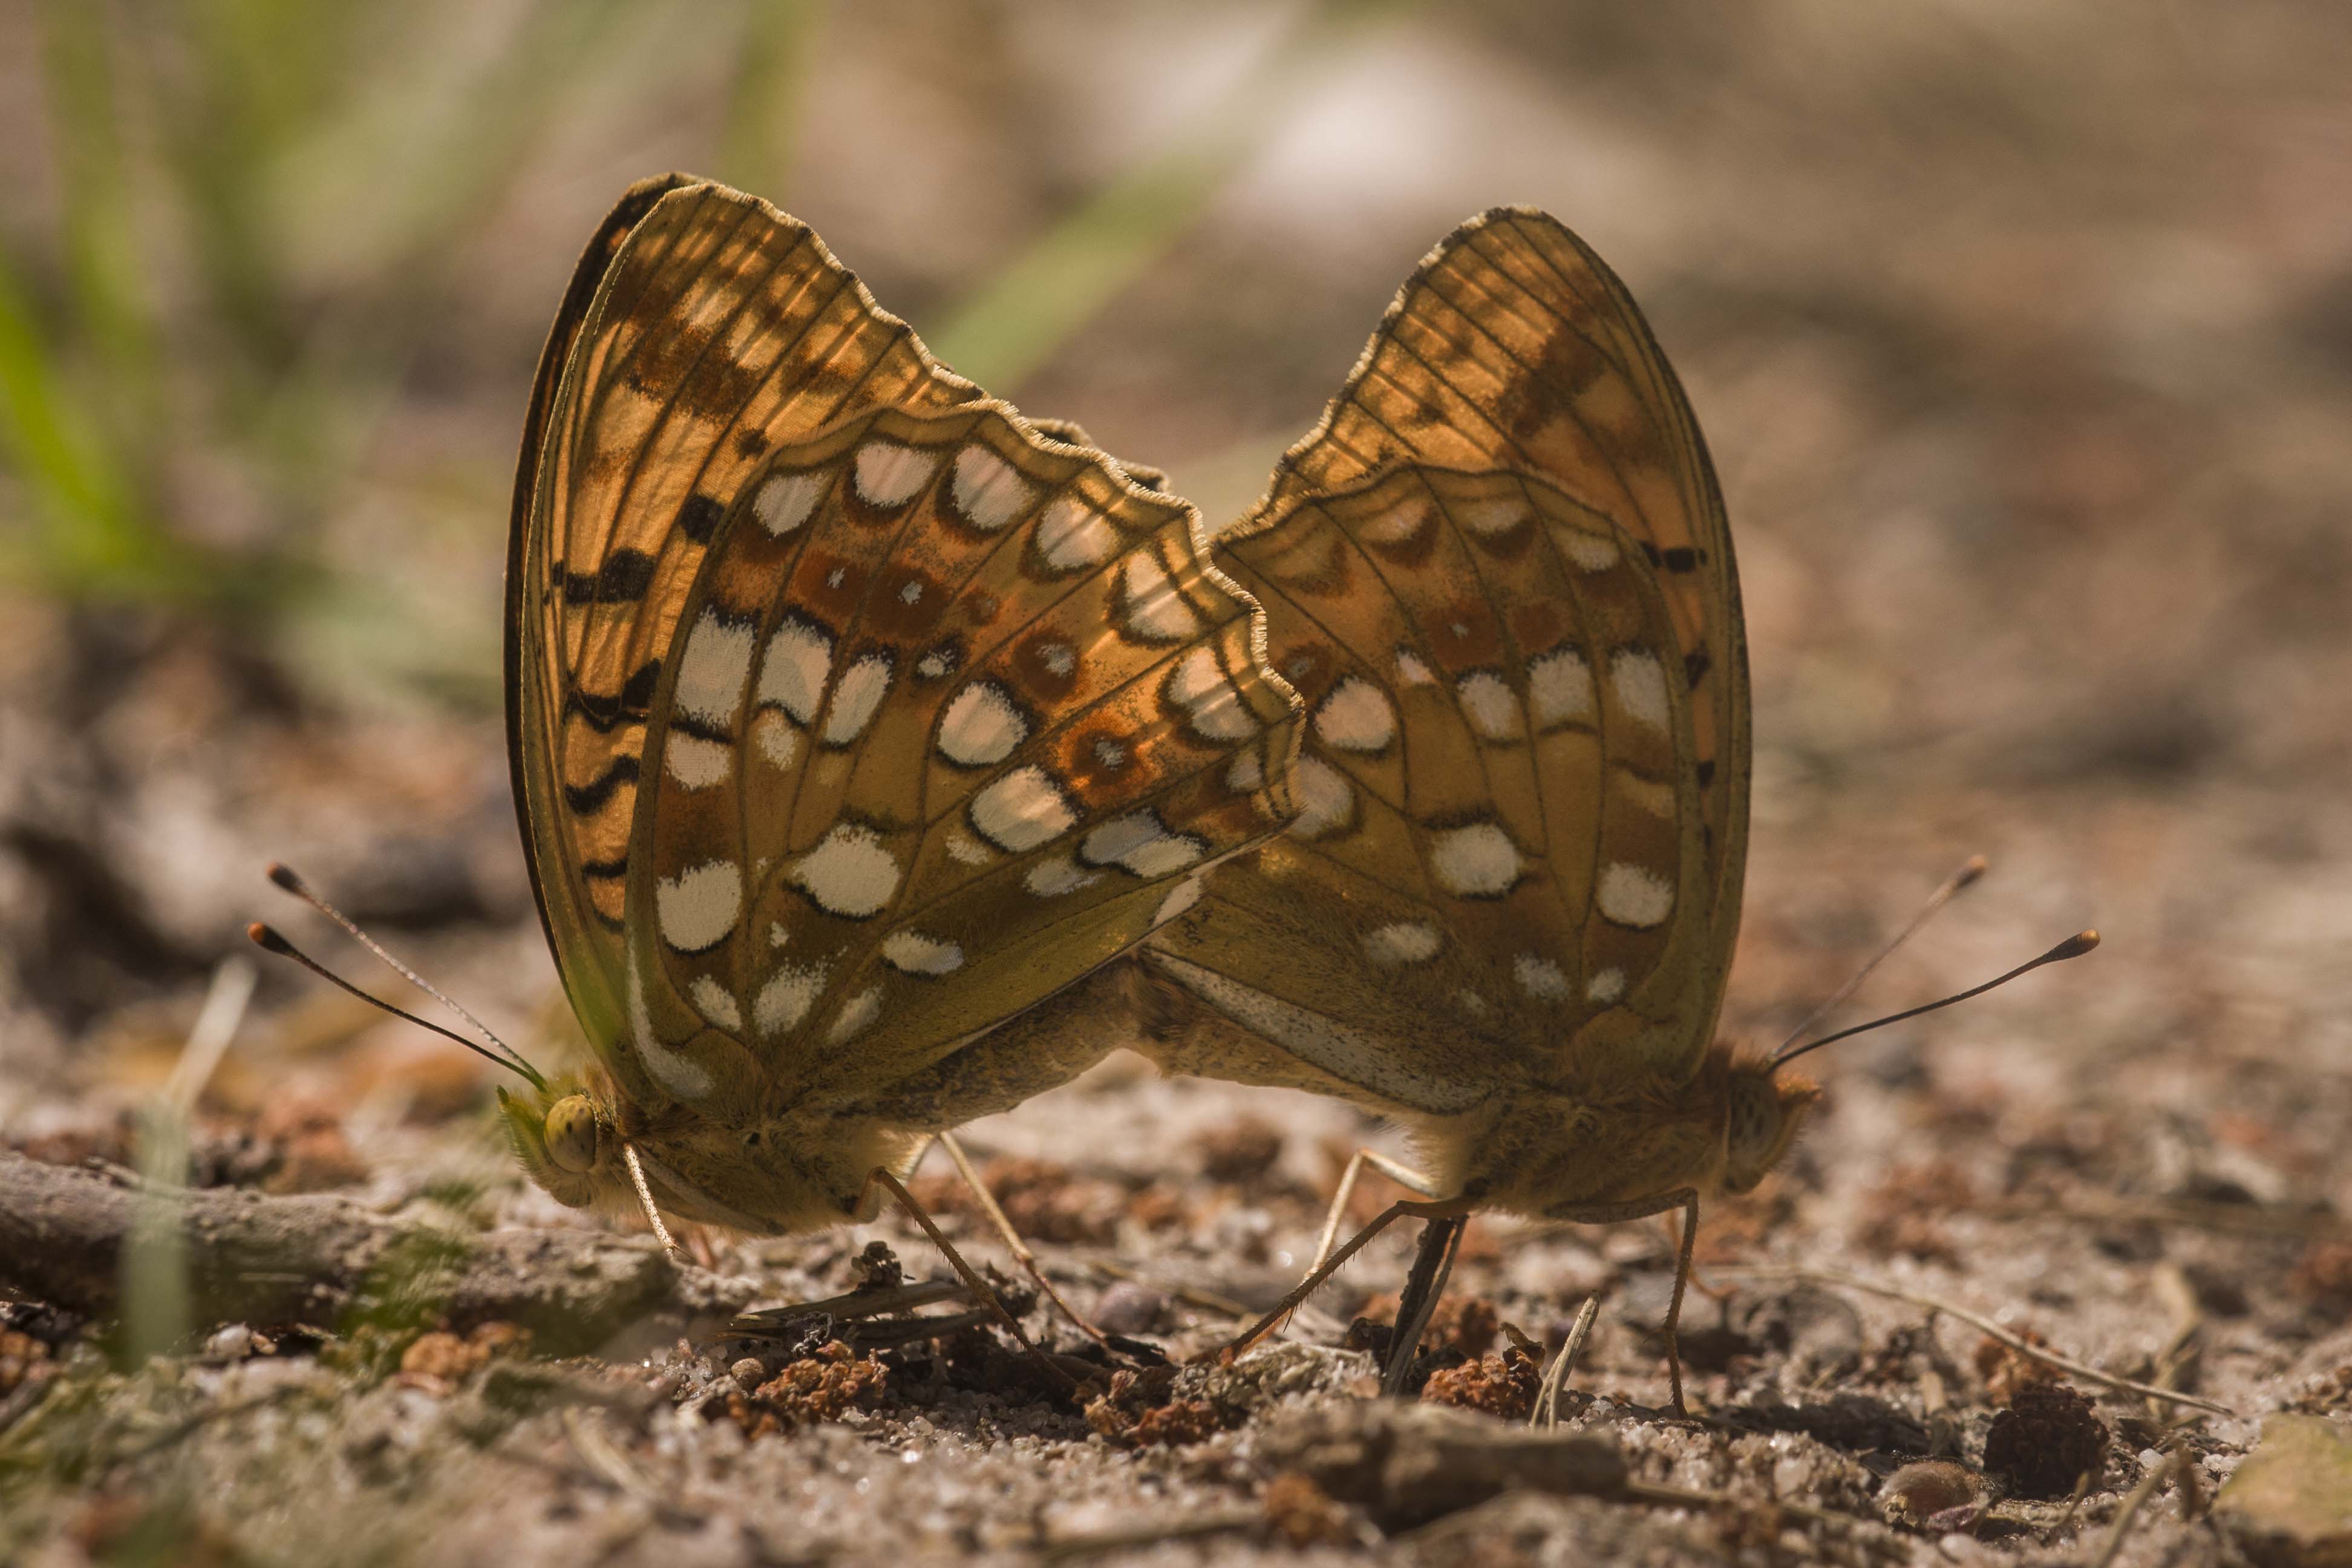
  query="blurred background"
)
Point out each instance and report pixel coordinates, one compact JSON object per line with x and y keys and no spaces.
{"x":2021,"y":334}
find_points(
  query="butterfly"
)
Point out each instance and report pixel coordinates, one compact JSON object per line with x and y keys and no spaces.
{"x":856,"y":724}
{"x":1500,"y":578}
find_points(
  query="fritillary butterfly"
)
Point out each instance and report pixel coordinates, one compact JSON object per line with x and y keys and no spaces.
{"x":852,"y":717}
{"x":1499,"y":576}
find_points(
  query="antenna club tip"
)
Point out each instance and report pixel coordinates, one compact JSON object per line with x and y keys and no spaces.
{"x":268,"y":941}
{"x":2079,"y":943}
{"x":1975,"y":866}
{"x":284,"y":875}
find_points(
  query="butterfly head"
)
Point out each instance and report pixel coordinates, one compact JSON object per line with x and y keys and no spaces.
{"x":1763,"y":1110}
{"x":568,"y":1142}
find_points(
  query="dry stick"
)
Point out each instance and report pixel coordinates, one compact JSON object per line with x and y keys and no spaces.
{"x":2134,"y":1503}
{"x":1547,"y":1411}
{"x":1976,"y":1320}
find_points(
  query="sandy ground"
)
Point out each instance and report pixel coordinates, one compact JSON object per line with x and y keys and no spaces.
{"x":2022,"y":348}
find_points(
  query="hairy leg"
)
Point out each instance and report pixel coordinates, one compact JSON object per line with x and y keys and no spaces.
{"x":1684,"y":1199}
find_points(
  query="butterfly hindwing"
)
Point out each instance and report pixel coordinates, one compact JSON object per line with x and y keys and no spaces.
{"x":1499,"y":576}
{"x":831,"y":678}
{"x":957,"y":718}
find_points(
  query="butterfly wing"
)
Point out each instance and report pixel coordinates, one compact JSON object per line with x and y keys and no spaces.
{"x":854,"y":714}
{"x":1499,"y":576}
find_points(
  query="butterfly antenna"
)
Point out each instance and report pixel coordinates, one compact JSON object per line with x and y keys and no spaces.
{"x":501,"y":1052}
{"x":1970,"y":869}
{"x":268,"y":939}
{"x":2075,"y":946}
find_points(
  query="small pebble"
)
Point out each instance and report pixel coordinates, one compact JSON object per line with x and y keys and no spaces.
{"x":234,"y":1342}
{"x":1127,"y":1308}
{"x":749,"y":1373}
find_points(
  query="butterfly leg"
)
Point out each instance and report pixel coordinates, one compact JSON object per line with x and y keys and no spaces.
{"x":883,"y":1178}
{"x":1450,"y":1208}
{"x":1433,"y":1265}
{"x":1402,"y":1175}
{"x":1011,"y":1238}
{"x":1687,"y":1200}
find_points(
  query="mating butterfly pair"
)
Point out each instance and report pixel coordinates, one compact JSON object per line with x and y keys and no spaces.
{"x":871,"y":741}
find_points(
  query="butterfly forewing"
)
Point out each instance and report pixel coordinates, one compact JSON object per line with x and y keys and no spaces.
{"x":852,"y":714}
{"x":1499,"y":577}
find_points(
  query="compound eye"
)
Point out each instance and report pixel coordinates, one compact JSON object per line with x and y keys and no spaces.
{"x":571,"y":1134}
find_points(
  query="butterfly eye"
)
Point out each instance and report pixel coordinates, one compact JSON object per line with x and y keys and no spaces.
{"x":571,"y":1134}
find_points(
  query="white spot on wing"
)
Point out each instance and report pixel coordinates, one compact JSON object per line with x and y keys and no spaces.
{"x":1185,"y":895}
{"x":1640,"y":682}
{"x":911,"y":953}
{"x":888,"y":474}
{"x":1487,"y":518}
{"x":1606,"y":986}
{"x":1326,"y":799}
{"x":1246,"y":776}
{"x":1211,"y":702}
{"x":778,"y":742}
{"x":1021,"y":810}
{"x":854,"y":699}
{"x":1411,"y":670}
{"x":1058,"y":874}
{"x":786,"y":998}
{"x":792,"y":674}
{"x":1541,"y":978}
{"x":694,"y":762}
{"x":1479,"y":861}
{"x":990,"y":491}
{"x":1657,"y":799}
{"x":785,"y":501}
{"x":1156,"y":612}
{"x":1141,"y":843}
{"x":966,"y":850}
{"x":850,"y":872}
{"x":1402,"y":942}
{"x":697,"y":909}
{"x":1559,"y":686}
{"x":712,"y":671}
{"x":1072,"y":534}
{"x":982,"y":726}
{"x":1355,"y":716}
{"x":1633,"y":895}
{"x":856,"y":1013}
{"x":713,"y":1001}
{"x":1589,"y":550}
{"x":1397,"y":524}
{"x":1490,"y":705}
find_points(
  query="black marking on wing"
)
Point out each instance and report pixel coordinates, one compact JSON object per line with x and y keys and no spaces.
{"x":634,"y":701}
{"x":698,"y":518}
{"x":589,"y":798}
{"x":622,"y":580}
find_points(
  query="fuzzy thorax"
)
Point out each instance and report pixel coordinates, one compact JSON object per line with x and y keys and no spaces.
{"x":1546,"y":1153}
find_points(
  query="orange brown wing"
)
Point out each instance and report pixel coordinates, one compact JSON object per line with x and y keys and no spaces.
{"x":1500,"y":577}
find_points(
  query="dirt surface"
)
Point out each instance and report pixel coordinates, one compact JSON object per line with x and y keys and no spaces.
{"x":2023,"y":341}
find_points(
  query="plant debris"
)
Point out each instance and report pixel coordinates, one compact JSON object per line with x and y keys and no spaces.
{"x":820,"y":1387}
{"x":1504,"y":1386}
{"x":2046,"y":1441}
